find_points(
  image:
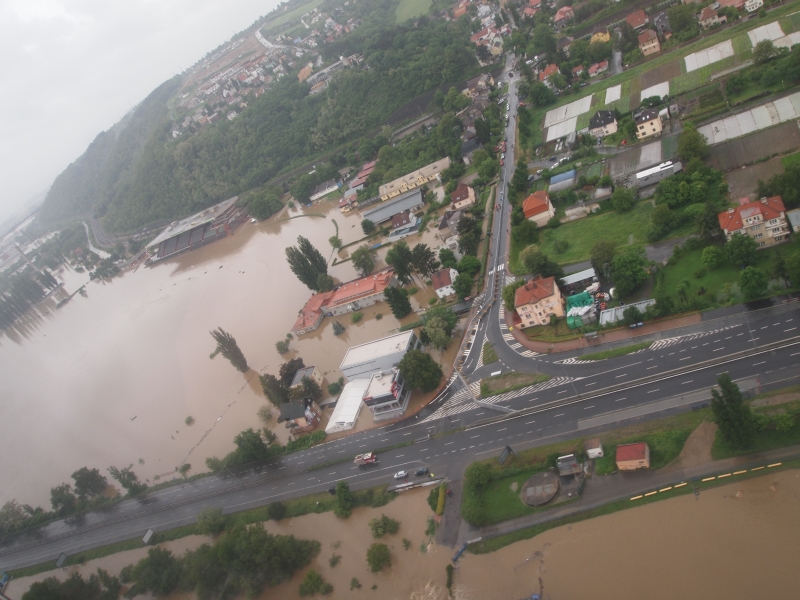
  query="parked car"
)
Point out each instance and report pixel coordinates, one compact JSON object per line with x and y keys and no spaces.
{"x":421,"y":471}
{"x":502,"y":162}
{"x":401,"y":475}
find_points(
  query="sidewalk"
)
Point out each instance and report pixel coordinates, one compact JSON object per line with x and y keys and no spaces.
{"x":602,"y":490}
{"x":604,"y":338}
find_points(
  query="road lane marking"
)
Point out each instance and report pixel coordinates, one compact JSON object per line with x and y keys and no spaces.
{"x":685,"y":382}
{"x":588,"y":407}
{"x":448,"y":443}
{"x":529,"y":422}
{"x":503,"y":429}
{"x":790,"y":329}
{"x":559,"y":415}
{"x":759,"y":363}
{"x":475,"y":436}
{"x":653,"y":367}
{"x":653,"y":391}
{"x":618,"y":376}
{"x":593,"y":383}
{"x":619,"y":400}
{"x":686,"y":358}
{"x":717,"y":349}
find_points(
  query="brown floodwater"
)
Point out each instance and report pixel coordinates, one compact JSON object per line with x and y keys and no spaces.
{"x":733,"y":542}
{"x":110,"y":378}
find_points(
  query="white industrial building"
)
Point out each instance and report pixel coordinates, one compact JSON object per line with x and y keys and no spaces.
{"x":345,"y":414}
{"x":387,"y":395}
{"x":381,"y":355}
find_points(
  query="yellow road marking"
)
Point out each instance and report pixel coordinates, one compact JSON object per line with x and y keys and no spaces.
{"x":726,"y":475}
{"x":739,"y":472}
{"x":650,"y":493}
{"x":666,"y":489}
{"x":708,"y":479}
{"x":756,"y":468}
{"x":677,"y":485}
{"x":636,"y":497}
{"x":774,"y":465}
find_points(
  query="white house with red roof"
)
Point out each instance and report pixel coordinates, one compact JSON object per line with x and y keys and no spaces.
{"x":443,"y":281}
{"x":538,"y":208}
{"x":763,"y":220}
{"x":537,"y":300}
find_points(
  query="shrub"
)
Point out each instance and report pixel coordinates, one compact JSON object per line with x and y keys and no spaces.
{"x":449,"y":569}
{"x":382,"y":525}
{"x":433,"y":498}
{"x":560,"y":246}
{"x":379,"y":316}
{"x":356,"y":316}
{"x":433,"y":300}
{"x":440,"y":503}
{"x":336,"y":387}
{"x":699,"y":273}
{"x":276,"y":511}
{"x":211,"y":521}
{"x":189,"y":420}
{"x":354,"y":584}
{"x":313,"y":583}
{"x":378,"y":557}
{"x":338,"y":328}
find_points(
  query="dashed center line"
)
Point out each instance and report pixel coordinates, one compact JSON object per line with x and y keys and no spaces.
{"x":685,"y":382}
{"x":618,"y":376}
{"x":652,"y":391}
{"x":588,"y":407}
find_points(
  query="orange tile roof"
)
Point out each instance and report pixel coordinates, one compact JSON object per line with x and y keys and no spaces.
{"x":312,"y":310}
{"x":536,"y":203}
{"x":769,"y":208}
{"x":548,"y":70}
{"x":305,"y":73}
{"x":637,"y":451}
{"x":534,"y":291}
{"x":637,"y":18}
{"x":565,"y":12}
{"x":359,"y":288}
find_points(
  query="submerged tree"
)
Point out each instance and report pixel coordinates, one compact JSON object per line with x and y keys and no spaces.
{"x":128,"y":480}
{"x":230,"y":349}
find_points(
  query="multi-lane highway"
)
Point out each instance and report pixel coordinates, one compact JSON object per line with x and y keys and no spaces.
{"x":759,"y":348}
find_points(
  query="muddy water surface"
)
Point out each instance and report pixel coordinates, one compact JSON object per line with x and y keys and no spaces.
{"x":110,"y":378}
{"x":733,"y":542}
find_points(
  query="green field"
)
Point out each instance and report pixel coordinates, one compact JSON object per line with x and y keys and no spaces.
{"x":791,"y":159}
{"x":741,"y":43}
{"x":689,"y":81}
{"x":289,"y":15}
{"x":669,"y":147}
{"x":408,"y":9}
{"x":583,"y":233}
{"x":791,"y":23}
{"x":714,"y":281}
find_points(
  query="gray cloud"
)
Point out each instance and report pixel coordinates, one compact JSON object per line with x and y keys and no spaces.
{"x":72,"y":68}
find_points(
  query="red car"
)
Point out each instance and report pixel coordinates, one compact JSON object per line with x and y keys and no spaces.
{"x":502,"y":162}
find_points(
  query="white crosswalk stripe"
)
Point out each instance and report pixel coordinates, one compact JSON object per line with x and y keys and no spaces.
{"x":508,"y":336}
{"x":516,"y":345}
{"x":529,"y":353}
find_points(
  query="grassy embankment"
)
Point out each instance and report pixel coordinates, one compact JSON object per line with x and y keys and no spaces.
{"x":489,"y":354}
{"x":500,"y":384}
{"x":315,"y":503}
{"x":616,"y":352}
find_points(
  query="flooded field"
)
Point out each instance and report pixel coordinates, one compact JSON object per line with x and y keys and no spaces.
{"x":736,"y":541}
{"x":110,"y":378}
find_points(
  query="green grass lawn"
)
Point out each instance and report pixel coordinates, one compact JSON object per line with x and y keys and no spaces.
{"x":791,"y":23}
{"x":669,"y":147}
{"x":500,"y":384}
{"x":790,"y":159}
{"x":547,"y":333}
{"x":665,"y":446}
{"x":741,"y":43}
{"x":489,"y":354}
{"x":616,"y":352}
{"x":714,"y":280}
{"x":408,"y":9}
{"x":583,"y":233}
{"x":501,"y":504}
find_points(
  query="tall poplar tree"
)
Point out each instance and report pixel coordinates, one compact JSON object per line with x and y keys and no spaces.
{"x":734,"y":418}
{"x":230,"y":349}
{"x":398,"y":301}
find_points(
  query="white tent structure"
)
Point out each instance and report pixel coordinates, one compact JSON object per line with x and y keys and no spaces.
{"x":349,"y":405}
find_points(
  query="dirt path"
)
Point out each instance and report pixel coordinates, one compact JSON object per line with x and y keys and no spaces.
{"x":697,"y":449}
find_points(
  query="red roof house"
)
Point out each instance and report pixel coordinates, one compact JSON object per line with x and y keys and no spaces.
{"x":637,"y":19}
{"x":633,"y":456}
{"x":538,"y":208}
{"x":548,"y":71}
{"x":763,"y":220}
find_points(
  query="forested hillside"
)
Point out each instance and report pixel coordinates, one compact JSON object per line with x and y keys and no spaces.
{"x":142,"y":175}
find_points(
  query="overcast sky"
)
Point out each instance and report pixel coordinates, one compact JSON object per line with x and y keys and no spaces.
{"x":73,"y":68}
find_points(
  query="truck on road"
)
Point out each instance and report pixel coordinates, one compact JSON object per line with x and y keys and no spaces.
{"x":362,"y":460}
